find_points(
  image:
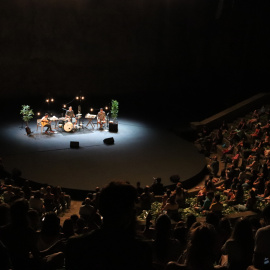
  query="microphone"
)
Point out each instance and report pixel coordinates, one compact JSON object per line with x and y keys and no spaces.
{"x":64,"y":109}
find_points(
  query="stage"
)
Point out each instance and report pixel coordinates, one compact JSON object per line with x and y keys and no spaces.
{"x":140,"y":152}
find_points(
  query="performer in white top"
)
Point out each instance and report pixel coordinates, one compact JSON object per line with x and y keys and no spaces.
{"x":101,"y":118}
{"x":45,"y":122}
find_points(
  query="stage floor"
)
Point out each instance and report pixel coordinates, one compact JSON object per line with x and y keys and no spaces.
{"x":140,"y":152}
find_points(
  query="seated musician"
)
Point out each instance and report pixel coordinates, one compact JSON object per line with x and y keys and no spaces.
{"x":70,"y":114}
{"x":46,"y":123}
{"x":101,"y":118}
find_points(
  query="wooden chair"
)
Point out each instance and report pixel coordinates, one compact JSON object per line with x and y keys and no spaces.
{"x":101,"y":123}
{"x":39,"y":125}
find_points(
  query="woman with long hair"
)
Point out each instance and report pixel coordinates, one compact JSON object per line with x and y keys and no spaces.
{"x":201,"y":250}
{"x":239,"y":247}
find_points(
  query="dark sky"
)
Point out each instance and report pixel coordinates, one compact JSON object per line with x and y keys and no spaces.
{"x":180,"y":52}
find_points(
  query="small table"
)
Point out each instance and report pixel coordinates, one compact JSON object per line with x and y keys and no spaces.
{"x":90,"y":118}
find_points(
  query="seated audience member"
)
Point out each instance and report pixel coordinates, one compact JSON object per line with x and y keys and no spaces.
{"x":171,"y":208}
{"x":208,"y":187}
{"x":36,"y":202}
{"x":191,"y":219}
{"x":68,"y":229}
{"x":139,"y":188}
{"x":114,"y":245}
{"x":234,"y":159}
{"x":254,"y":119}
{"x":218,"y":137}
{"x":242,"y":124}
{"x":266,"y":139}
{"x":267,"y":152}
{"x":239,"y":248}
{"x":180,"y":195}
{"x":237,"y":195}
{"x":266,"y":190}
{"x":148,"y":232}
{"x":228,"y":150}
{"x":87,"y":211}
{"x":224,"y":231}
{"x":257,"y":133}
{"x":213,"y":219}
{"x":201,"y":250}
{"x":157,"y":187}
{"x":216,"y":205}
{"x":180,"y":233}
{"x":259,"y":185}
{"x":50,"y":232}
{"x":165,"y":248}
{"x":266,"y":127}
{"x":262,"y":241}
{"x":4,"y":214}
{"x":33,"y":219}
{"x":81,"y":226}
{"x":8,"y":194}
{"x":146,"y":199}
{"x":166,"y":197}
{"x":213,"y":167}
{"x":49,"y":198}
{"x":254,"y":165}
{"x":251,"y":201}
{"x":27,"y":190}
{"x":207,"y":202}
{"x":21,"y":240}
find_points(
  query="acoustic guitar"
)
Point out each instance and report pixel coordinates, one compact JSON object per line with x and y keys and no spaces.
{"x":45,"y":122}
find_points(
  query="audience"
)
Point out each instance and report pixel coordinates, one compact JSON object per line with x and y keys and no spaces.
{"x":104,"y":233}
{"x":114,"y":245}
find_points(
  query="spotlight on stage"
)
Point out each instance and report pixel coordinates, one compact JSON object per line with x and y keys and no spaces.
{"x":47,"y":100}
{"x":38,"y":113}
{"x":52,"y":100}
{"x":91,"y":109}
{"x":80,"y":97}
{"x":64,"y":106}
{"x":106,"y":108}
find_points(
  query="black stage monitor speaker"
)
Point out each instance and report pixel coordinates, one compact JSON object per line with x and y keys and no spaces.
{"x":74,"y":144}
{"x":109,"y":140}
{"x":113,"y":127}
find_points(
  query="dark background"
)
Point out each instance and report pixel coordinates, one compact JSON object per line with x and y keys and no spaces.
{"x":176,"y":57}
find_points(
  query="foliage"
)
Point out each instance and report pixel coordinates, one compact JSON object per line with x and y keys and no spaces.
{"x":114,"y":109}
{"x":27,"y":113}
{"x":191,"y":202}
{"x":155,"y":211}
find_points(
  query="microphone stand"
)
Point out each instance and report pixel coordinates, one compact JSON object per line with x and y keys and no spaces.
{"x":108,"y":120}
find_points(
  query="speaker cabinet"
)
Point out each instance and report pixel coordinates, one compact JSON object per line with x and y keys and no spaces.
{"x":74,"y":144}
{"x":109,"y":141}
{"x":113,"y":127}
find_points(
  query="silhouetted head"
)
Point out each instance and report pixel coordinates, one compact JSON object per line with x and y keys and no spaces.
{"x":117,"y":205}
{"x":18,"y":212}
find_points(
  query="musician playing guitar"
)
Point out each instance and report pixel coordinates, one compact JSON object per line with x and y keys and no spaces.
{"x":46,"y":123}
{"x":70,"y":114}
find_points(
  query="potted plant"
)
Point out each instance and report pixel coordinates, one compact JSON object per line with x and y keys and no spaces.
{"x":113,"y":126}
{"x":27,"y":115}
